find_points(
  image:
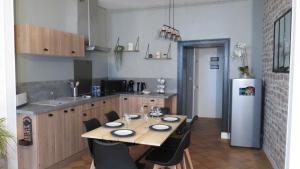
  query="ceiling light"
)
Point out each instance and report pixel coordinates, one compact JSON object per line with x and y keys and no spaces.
{"x":167,"y":31}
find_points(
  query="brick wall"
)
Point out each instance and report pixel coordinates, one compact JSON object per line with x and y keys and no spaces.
{"x":276,"y":92}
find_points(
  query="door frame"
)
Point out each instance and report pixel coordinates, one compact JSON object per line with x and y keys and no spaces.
{"x":181,"y":79}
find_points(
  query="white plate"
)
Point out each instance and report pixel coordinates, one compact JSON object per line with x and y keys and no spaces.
{"x":156,"y":114}
{"x":160,"y":127}
{"x":123,"y":132}
{"x":132,"y":116}
{"x":171,"y":119}
{"x":113,"y":124}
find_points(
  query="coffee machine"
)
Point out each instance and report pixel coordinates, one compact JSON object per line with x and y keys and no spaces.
{"x":130,"y":86}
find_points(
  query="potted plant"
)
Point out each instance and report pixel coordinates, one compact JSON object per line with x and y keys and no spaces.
{"x":5,"y":136}
{"x":119,"y":55}
{"x":241,"y":53}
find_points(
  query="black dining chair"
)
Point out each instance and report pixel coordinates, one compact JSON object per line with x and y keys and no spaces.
{"x":112,"y":156}
{"x":112,"y":116}
{"x":89,"y":126}
{"x":165,"y":110}
{"x":169,"y":157}
{"x":174,"y":140}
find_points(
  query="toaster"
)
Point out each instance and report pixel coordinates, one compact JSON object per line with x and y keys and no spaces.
{"x":21,"y":99}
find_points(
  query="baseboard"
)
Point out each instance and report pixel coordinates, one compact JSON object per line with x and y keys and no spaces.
{"x":225,"y":135}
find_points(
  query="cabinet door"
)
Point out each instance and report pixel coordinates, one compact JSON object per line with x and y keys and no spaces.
{"x":84,"y":116}
{"x":77,"y":45}
{"x":72,"y":45}
{"x":71,"y":133}
{"x":135,"y":104}
{"x":33,"y":40}
{"x":50,"y":142}
{"x":153,"y":102}
{"x":124,"y":105}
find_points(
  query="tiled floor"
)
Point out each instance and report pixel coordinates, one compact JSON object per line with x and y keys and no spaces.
{"x":207,"y":150}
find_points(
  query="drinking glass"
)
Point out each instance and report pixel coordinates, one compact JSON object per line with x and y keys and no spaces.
{"x":146,"y":118}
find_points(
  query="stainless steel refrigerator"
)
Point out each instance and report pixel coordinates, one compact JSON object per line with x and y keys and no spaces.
{"x":246,"y":113}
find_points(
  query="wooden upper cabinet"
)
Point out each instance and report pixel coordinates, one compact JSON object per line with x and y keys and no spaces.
{"x":45,"y":41}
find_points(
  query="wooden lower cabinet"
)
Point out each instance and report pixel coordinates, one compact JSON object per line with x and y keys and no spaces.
{"x":50,"y":139}
{"x":71,"y":131}
{"x":84,"y":115}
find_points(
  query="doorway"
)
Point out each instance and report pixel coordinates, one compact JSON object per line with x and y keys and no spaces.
{"x":208,"y":77}
{"x":203,"y":79}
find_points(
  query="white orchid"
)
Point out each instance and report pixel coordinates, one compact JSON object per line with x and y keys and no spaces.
{"x":240,"y":51}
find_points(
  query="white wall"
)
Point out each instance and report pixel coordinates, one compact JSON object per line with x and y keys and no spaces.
{"x":61,"y":15}
{"x":208,"y":21}
{"x":56,"y":14}
{"x":7,"y":80}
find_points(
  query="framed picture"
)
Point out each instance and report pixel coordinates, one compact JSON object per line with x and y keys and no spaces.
{"x":282,"y":43}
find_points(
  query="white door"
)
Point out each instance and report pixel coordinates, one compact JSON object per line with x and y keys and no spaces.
{"x":208,"y":84}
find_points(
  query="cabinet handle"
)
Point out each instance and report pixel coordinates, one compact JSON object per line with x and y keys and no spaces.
{"x":145,"y":106}
{"x":72,"y":109}
{"x":50,"y":115}
{"x":125,"y":99}
{"x":92,"y":105}
{"x":66,"y":111}
{"x":73,"y":52}
{"x":84,"y":114}
{"x":152,"y":100}
{"x":104,"y":102}
{"x":46,"y":49}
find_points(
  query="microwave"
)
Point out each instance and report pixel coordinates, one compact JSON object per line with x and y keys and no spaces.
{"x":109,"y":87}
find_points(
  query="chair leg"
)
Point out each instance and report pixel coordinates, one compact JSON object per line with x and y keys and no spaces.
{"x":188,"y":155}
{"x":178,"y":166}
{"x":92,"y":165}
{"x":183,"y":163}
{"x":156,"y":166}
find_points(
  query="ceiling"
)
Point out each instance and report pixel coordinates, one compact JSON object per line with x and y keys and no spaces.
{"x":140,"y":4}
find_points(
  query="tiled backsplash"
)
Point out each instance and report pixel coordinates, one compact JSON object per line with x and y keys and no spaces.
{"x":37,"y":91}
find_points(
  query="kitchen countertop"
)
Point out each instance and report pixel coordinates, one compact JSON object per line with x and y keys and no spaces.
{"x":35,"y":109}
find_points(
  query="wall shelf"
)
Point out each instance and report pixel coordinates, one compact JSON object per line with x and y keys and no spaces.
{"x":136,"y":47}
{"x":167,"y":57}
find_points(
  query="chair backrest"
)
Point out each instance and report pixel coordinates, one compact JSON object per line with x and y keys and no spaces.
{"x":178,"y":155}
{"x":112,"y":156}
{"x":165,"y":110}
{"x":89,"y":126}
{"x":112,"y":116}
{"x":193,"y":121}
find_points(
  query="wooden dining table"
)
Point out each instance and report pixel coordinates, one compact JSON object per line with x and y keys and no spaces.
{"x":143,"y":134}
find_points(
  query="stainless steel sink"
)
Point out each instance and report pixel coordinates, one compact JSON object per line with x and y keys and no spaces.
{"x":51,"y":103}
{"x":59,"y":101}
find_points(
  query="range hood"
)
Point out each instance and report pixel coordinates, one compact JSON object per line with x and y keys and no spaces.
{"x":90,"y":45}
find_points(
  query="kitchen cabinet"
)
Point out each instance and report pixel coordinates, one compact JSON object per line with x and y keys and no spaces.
{"x":153,"y":102}
{"x":43,"y":41}
{"x":89,"y":111}
{"x":33,"y":40}
{"x":71,"y":45}
{"x":130,"y":104}
{"x":71,"y":131}
{"x":50,"y":139}
{"x":107,"y":105}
